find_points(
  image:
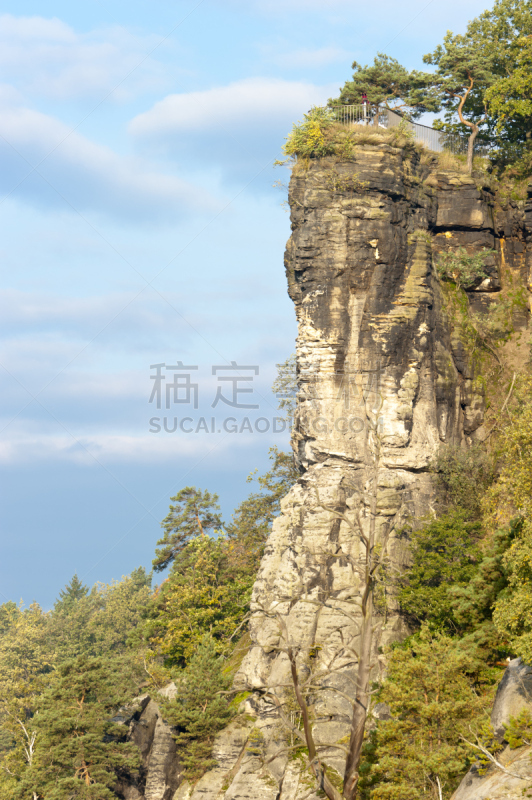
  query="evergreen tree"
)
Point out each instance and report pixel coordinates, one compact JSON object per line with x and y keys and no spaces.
{"x":504,"y":31}
{"x":464,"y":72}
{"x":200,"y":709}
{"x":70,"y":595}
{"x":195,"y":513}
{"x":435,"y":694}
{"x":26,"y":663}
{"x":474,"y":602}
{"x":445,"y":553}
{"x":78,"y":748}
{"x":387,"y":83}
{"x":102,"y":620}
{"x":513,"y":606}
{"x":509,"y":99}
{"x":252,"y":519}
{"x":208,"y":591}
{"x":463,"y":476}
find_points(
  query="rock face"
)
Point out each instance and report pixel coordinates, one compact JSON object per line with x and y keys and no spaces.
{"x":385,"y":379}
{"x":160,"y":774}
{"x":514,"y":694}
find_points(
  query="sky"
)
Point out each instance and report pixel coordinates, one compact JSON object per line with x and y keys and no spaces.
{"x":143,"y":229}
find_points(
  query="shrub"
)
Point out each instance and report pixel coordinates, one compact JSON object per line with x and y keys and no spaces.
{"x":462,"y":476}
{"x":465,"y":270}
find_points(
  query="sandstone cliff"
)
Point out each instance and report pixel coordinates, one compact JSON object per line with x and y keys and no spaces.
{"x":386,"y":377}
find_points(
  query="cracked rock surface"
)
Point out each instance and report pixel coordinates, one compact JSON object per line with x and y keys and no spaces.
{"x":385,"y":380}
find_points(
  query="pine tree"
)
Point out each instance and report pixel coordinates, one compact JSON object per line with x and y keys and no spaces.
{"x":102,"y":620}
{"x":387,"y":83}
{"x":78,"y":748}
{"x":200,"y":709}
{"x":464,"y":72}
{"x":252,"y":520}
{"x":195,"y":513}
{"x":435,"y":694}
{"x":208,"y":591}
{"x":445,"y":553}
{"x":70,"y":595}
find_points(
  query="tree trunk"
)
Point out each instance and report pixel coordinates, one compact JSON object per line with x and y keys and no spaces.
{"x":362,"y":696}
{"x":360,"y":710}
{"x":471,"y":148}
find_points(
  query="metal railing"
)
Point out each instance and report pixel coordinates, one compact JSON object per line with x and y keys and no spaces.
{"x":435,"y":140}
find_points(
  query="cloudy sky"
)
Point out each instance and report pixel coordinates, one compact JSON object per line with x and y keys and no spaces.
{"x":140,"y":226}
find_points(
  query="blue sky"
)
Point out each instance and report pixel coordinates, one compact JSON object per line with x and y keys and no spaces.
{"x":140,"y":225}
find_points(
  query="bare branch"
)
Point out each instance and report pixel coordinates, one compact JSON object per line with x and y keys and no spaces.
{"x":494,"y":761}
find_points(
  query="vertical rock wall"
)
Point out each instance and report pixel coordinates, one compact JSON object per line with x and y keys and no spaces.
{"x":385,"y":379}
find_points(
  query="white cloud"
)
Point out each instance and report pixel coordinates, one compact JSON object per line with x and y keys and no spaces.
{"x":240,"y":127}
{"x":251,"y":102}
{"x":27,"y":443}
{"x":49,"y":58}
{"x":76,"y":174}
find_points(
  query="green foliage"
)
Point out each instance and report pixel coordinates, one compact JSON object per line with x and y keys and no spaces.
{"x":487,"y":70}
{"x":463,"y":475}
{"x":200,"y":709}
{"x":509,"y":99}
{"x":25,"y":667}
{"x":78,"y":747}
{"x":463,"y":73}
{"x":435,"y":695}
{"x":69,"y":596}
{"x":465,"y":270}
{"x":101,"y":620}
{"x":285,"y":387}
{"x":511,"y":495}
{"x":209,"y":588}
{"x":473,"y":603}
{"x":252,"y":520}
{"x":513,"y":606}
{"x":387,"y":83}
{"x":308,"y":138}
{"x":207,"y":592}
{"x":444,"y":554}
{"x":518,"y":732}
{"x":503,"y":32}
{"x":195,"y":512}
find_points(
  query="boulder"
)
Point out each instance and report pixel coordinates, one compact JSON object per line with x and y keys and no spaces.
{"x":514,"y":693}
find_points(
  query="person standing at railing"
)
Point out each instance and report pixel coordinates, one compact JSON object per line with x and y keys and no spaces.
{"x":365,"y":104}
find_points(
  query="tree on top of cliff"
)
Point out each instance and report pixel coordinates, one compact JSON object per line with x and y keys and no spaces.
{"x":483,"y":77}
{"x":195,"y":513}
{"x":509,"y":99}
{"x":464,"y":72}
{"x":505,"y":33}
{"x":387,"y":83}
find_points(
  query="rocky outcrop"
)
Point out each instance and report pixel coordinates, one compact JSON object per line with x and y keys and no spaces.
{"x":160,"y":774}
{"x":386,"y":378}
{"x":514,"y":694}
